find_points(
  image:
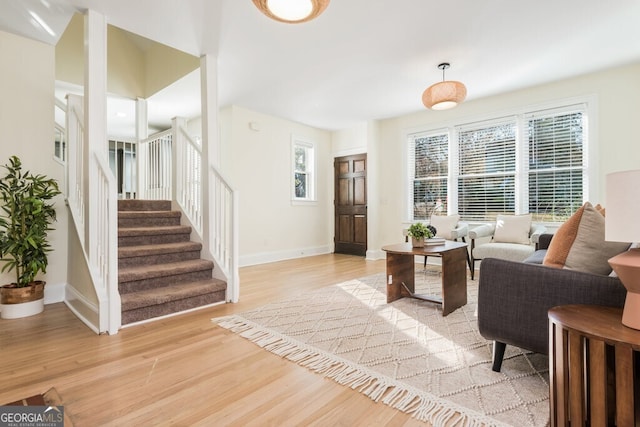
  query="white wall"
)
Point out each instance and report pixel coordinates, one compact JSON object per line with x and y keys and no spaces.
{"x":27,"y":123}
{"x":350,"y":141}
{"x":258,"y":164}
{"x":617,"y":141}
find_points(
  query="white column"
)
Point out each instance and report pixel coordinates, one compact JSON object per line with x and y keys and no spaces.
{"x":142,"y":133}
{"x":95,"y":110}
{"x":177,"y":151}
{"x":210,"y":143}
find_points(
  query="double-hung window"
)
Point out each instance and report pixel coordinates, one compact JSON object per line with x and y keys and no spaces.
{"x":429,"y":173}
{"x":487,"y":170}
{"x":529,"y":162}
{"x":303,"y":179}
{"x":556,"y":154}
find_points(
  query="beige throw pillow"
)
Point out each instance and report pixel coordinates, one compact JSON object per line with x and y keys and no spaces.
{"x":444,"y":224}
{"x":589,"y":251}
{"x":513,"y":229}
{"x":579,"y":243}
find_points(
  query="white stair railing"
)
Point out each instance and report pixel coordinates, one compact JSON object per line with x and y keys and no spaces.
{"x":122,"y":162}
{"x":222,"y":240}
{"x":75,"y":161}
{"x":223,"y":235}
{"x":155,"y":166}
{"x":189,"y":176}
{"x":97,"y":228}
{"x":104,"y":259}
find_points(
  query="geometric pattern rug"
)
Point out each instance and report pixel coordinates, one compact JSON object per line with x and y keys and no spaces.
{"x":404,"y":354}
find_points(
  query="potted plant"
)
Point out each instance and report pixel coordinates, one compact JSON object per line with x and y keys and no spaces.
{"x":25,"y":220}
{"x":418,"y":232}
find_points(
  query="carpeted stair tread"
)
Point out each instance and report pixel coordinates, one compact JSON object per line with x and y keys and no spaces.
{"x":158,"y":249}
{"x":144,"y":214}
{"x":144,"y":205}
{"x":160,"y":271}
{"x":148,"y":218}
{"x":131,"y":274}
{"x":166,"y":294}
{"x":151,"y":231}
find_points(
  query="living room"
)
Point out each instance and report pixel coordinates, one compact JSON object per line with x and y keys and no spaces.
{"x":285,"y":230}
{"x":609,"y":148}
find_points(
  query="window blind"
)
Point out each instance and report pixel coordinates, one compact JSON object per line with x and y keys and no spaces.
{"x":428,"y":174}
{"x":529,"y":162}
{"x":556,"y":163}
{"x":487,"y":165}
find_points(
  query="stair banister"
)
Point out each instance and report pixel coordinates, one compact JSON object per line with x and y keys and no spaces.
{"x":221,"y":243}
{"x":155,"y":167}
{"x":105,"y":247}
{"x":188,"y":174}
{"x":224,"y":230}
{"x":75,"y":162}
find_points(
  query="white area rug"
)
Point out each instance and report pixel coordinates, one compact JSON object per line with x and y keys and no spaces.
{"x":404,"y":354}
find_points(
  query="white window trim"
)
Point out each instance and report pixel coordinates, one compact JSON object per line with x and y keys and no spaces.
{"x":590,"y":181}
{"x":311,"y":198}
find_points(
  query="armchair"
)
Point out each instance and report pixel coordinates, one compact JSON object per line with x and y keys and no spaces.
{"x":502,"y":249}
{"x":514,"y":298}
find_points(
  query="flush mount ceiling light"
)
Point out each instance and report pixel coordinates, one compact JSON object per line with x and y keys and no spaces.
{"x":445,"y":94}
{"x":291,"y":11}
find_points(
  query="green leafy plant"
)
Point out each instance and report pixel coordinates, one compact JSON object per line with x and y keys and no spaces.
{"x":419,"y":230}
{"x":25,"y":220}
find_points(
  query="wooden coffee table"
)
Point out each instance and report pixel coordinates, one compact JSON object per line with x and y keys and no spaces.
{"x":401,"y":273}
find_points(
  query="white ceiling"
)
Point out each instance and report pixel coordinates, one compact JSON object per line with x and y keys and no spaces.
{"x":366,"y":59}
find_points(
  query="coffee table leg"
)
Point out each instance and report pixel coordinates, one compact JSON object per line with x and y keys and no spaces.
{"x":401,"y":268}
{"x":454,"y":280}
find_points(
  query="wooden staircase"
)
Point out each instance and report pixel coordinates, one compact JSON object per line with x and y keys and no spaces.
{"x":160,"y":271}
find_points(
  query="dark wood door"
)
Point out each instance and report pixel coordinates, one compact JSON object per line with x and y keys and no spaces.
{"x":351,"y":204}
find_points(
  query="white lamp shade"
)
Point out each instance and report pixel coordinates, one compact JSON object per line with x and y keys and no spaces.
{"x":622,"y":203}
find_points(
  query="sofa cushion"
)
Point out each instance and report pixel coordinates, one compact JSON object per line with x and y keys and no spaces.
{"x":537,"y":257}
{"x":509,"y":251}
{"x":444,"y":225}
{"x":579,"y":243}
{"x":513,"y":229}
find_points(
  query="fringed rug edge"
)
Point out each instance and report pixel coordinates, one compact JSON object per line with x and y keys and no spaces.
{"x":419,"y":404}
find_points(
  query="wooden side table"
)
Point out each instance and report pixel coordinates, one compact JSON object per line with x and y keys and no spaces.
{"x":401,"y":273}
{"x":593,"y":367}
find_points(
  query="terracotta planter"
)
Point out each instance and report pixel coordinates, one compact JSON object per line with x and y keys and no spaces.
{"x":21,"y":302}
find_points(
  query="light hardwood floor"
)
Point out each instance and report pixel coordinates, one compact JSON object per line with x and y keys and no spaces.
{"x":185,"y":370}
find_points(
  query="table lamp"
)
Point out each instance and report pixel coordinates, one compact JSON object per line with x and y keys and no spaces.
{"x":622,"y":224}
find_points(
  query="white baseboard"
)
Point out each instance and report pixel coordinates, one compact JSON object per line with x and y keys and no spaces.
{"x":263,"y":258}
{"x":54,"y":292}
{"x":84,"y":309}
{"x":373,"y":255}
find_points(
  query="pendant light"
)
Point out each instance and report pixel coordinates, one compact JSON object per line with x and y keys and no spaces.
{"x":445,"y":94}
{"x":291,"y":11}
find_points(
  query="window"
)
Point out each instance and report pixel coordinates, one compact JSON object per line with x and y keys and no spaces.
{"x":429,"y":155}
{"x":60,"y":145}
{"x":303,"y":154}
{"x":556,"y":164}
{"x":534,"y":162}
{"x":486,"y":183}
